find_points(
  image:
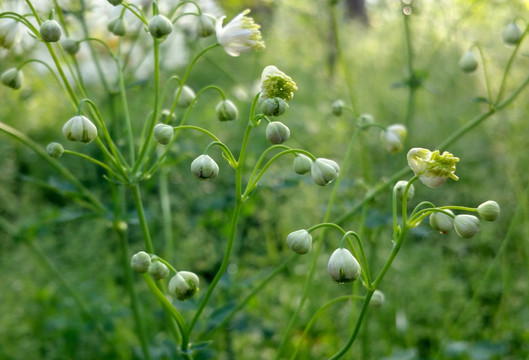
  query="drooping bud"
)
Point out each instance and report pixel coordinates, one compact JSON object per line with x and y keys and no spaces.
{"x":164,"y":116}
{"x":9,"y":33}
{"x":302,"y":164}
{"x":163,"y":133}
{"x":432,"y":168}
{"x":274,"y":106}
{"x":187,"y":95}
{"x":441,"y":221}
{"x":343,"y":267}
{"x":55,"y":150}
{"x":50,"y":31}
{"x":512,"y":34}
{"x":277,"y":132}
{"x":13,"y":78}
{"x":160,"y":26}
{"x":118,"y":26}
{"x":70,"y":46}
{"x":324,"y":171}
{"x":337,"y":107}
{"x":377,"y":299}
{"x":466,"y":226}
{"x":158,"y":270}
{"x":184,"y":285}
{"x":204,"y":167}
{"x":489,"y":210}
{"x":140,"y":262}
{"x":400,"y":186}
{"x":365,"y":120}
{"x":205,"y":25}
{"x":227,"y":111}
{"x":468,"y":62}
{"x":299,"y":241}
{"x":80,"y":128}
{"x":393,"y":137}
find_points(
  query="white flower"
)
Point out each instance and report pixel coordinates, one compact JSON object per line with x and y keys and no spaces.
{"x":432,"y":168}
{"x":9,"y":34}
{"x":239,"y":35}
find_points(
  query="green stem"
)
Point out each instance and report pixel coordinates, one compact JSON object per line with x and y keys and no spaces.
{"x":141,"y":217}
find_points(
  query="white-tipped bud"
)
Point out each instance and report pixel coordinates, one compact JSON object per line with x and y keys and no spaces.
{"x":80,"y":128}
{"x":512,"y":34}
{"x":277,"y":132}
{"x":184,"y":285}
{"x":343,"y":267}
{"x":163,"y":133}
{"x":50,"y":31}
{"x":400,"y":186}
{"x":141,"y":262}
{"x":302,"y":164}
{"x":441,"y":221}
{"x":324,"y":171}
{"x":274,"y":106}
{"x":205,"y":25}
{"x":227,"y":111}
{"x":393,"y":137}
{"x":204,"y":167}
{"x":160,"y":26}
{"x":71,"y":46}
{"x":13,"y":78}
{"x":158,"y":270}
{"x":299,"y":241}
{"x":337,"y":107}
{"x":468,"y":62}
{"x":186,"y":97}
{"x":466,"y":226}
{"x":118,"y":26}
{"x":55,"y":150}
{"x":378,"y":299}
{"x":9,"y":33}
{"x":489,"y":210}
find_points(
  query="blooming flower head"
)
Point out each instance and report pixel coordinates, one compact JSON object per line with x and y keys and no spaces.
{"x":432,"y":168}
{"x":276,"y":84}
{"x":239,"y":35}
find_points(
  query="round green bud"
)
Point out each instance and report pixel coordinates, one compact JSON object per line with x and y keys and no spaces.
{"x":204,"y":167}
{"x":227,"y":111}
{"x":160,"y":26}
{"x":299,"y":241}
{"x":164,"y":116}
{"x":115,"y":2}
{"x":13,"y":78}
{"x":378,"y":299}
{"x":324,"y":171}
{"x":205,"y":25}
{"x":441,"y":221}
{"x":277,"y":132}
{"x":343,"y":267}
{"x":302,"y":164}
{"x":186,"y":97}
{"x":158,"y":270}
{"x":163,"y":133}
{"x":365,"y":120}
{"x":184,"y":285}
{"x":80,"y":128}
{"x":55,"y":150}
{"x":466,"y":226}
{"x":489,"y":210}
{"x":337,"y":107}
{"x":118,"y":26}
{"x":141,"y":262}
{"x":71,"y":46}
{"x":274,"y":106}
{"x":468,"y":62}
{"x":400,"y":186}
{"x":512,"y":34}
{"x":50,"y":31}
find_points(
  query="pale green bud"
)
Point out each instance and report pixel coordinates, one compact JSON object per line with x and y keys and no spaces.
{"x":441,"y":221}
{"x":13,"y":78}
{"x":9,"y":33}
{"x":299,"y":241}
{"x":227,"y":111}
{"x":466,"y":226}
{"x":512,"y":34}
{"x":393,"y":137}
{"x":468,"y":62}
{"x":204,"y":167}
{"x":160,"y":26}
{"x":302,"y":164}
{"x":365,"y":120}
{"x":277,"y":132}
{"x":205,"y":25}
{"x":80,"y":128}
{"x":274,"y":106}
{"x":489,"y":210}
{"x":164,"y":116}
{"x":55,"y":150}
{"x":158,"y":270}
{"x":186,"y":97}
{"x":378,"y":299}
{"x":163,"y":133}
{"x":70,"y":46}
{"x":337,"y":107}
{"x":324,"y":171}
{"x":115,"y":2}
{"x":343,"y":267}
{"x":50,"y":31}
{"x":118,"y":26}
{"x":400,"y":186}
{"x":184,"y":285}
{"x":141,"y":262}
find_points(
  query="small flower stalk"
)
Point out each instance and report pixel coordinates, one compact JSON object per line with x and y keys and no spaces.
{"x":184,"y":285}
{"x":240,"y":35}
{"x":324,"y":171}
{"x":80,"y":128}
{"x":204,"y":167}
{"x":432,"y":168}
{"x":299,"y":241}
{"x":343,"y":266}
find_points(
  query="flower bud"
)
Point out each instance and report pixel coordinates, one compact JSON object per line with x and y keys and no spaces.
{"x":302,"y":164}
{"x":160,"y":26}
{"x":466,"y":226}
{"x":489,"y":210}
{"x":277,"y":132}
{"x":343,"y":267}
{"x":184,"y":285}
{"x":299,"y":241}
{"x":163,"y":133}
{"x":9,"y":33}
{"x":80,"y":128}
{"x":141,"y":262}
{"x":511,"y":34}
{"x":324,"y":171}
{"x":394,"y":137}
{"x":187,"y":95}
{"x":365,"y":120}
{"x":118,"y":26}
{"x":442,"y":222}
{"x":50,"y":31}
{"x":204,"y":167}
{"x":70,"y":46}
{"x":205,"y":25}
{"x":276,"y":84}
{"x":226,"y":111}
{"x":337,"y":107}
{"x":158,"y":270}
{"x":115,"y":2}
{"x":468,"y":62}
{"x":164,"y":116}
{"x":274,"y":106}
{"x":378,"y":299}
{"x":55,"y":150}
{"x":13,"y":78}
{"x":400,"y":186}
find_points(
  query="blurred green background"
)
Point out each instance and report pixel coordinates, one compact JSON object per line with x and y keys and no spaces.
{"x":446,"y":297}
